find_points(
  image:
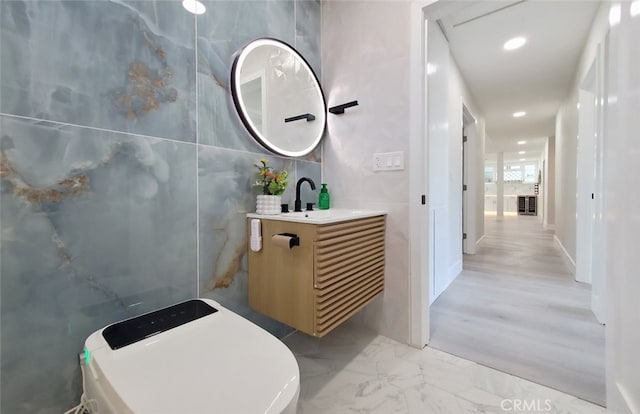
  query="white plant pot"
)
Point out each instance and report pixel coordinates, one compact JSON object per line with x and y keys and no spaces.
{"x":268,"y":204}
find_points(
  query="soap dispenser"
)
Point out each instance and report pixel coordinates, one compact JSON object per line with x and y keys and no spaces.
{"x":323,"y":198}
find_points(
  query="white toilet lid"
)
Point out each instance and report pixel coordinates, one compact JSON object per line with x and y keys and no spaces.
{"x":220,"y":363}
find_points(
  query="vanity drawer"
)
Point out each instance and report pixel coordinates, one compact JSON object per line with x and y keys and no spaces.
{"x":336,"y":270}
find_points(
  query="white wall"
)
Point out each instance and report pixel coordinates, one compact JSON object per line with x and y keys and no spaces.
{"x":365,"y":56}
{"x":567,"y":144}
{"x":565,"y":164}
{"x":454,"y":175}
{"x":549,"y":183}
{"x":438,"y":131}
{"x":459,"y":94}
{"x":447,"y":92}
{"x":622,"y":152}
{"x":477,"y":167}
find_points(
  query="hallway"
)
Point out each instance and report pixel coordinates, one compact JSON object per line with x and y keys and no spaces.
{"x":516,"y":308}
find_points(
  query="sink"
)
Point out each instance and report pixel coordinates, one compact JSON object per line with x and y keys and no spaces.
{"x":333,"y":215}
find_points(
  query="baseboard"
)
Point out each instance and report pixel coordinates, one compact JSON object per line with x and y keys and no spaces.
{"x":596,"y":303}
{"x":454,"y":271}
{"x":573,"y":263}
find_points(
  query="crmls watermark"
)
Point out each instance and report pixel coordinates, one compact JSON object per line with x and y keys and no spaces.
{"x":525,"y":406}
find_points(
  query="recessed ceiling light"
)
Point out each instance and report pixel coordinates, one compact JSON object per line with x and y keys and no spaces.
{"x":522,"y":152}
{"x":522,"y":142}
{"x":194,"y":6}
{"x":519,"y":114}
{"x":515,"y":43}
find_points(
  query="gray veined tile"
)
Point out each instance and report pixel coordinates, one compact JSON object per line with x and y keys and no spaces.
{"x":400,"y":373}
{"x":226,"y":194}
{"x":429,"y":399}
{"x":335,"y":378}
{"x":496,"y":382}
{"x":96,"y":227}
{"x":229,"y":25}
{"x":356,"y":365}
{"x":359,"y":395}
{"x":123,"y":66}
{"x":333,"y":388}
{"x":481,"y":397}
{"x":223,"y":31}
{"x":104,"y":224}
{"x":302,"y":345}
{"x":308,"y":24}
{"x":218,"y":124}
{"x":446,"y":376}
{"x":313,"y":367}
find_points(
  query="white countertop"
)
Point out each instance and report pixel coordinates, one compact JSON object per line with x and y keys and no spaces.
{"x":333,"y":215}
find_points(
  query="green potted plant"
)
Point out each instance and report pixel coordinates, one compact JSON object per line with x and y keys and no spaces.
{"x":272,"y":184}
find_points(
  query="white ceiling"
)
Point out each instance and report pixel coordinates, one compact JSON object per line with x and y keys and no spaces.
{"x":535,"y":78}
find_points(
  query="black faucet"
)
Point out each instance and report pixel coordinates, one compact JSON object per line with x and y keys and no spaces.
{"x":298,"y":202}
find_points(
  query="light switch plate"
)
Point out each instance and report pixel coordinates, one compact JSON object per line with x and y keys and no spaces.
{"x":388,"y":161}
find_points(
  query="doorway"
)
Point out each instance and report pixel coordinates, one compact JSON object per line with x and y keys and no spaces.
{"x":589,"y":223}
{"x":471,"y":183}
{"x":449,"y":211}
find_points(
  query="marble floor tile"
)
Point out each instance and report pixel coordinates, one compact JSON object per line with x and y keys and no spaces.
{"x":353,"y":370}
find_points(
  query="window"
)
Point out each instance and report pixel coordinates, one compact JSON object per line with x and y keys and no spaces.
{"x":522,"y":172}
{"x":512,"y":173}
{"x":488,"y":175}
{"x":530,"y":175}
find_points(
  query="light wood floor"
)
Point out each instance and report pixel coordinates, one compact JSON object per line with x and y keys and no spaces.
{"x":517,"y":308}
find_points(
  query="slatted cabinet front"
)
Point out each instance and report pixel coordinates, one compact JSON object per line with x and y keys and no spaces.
{"x":348,"y":269}
{"x":337,"y":269}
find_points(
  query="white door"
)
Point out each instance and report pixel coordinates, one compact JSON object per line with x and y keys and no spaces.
{"x":438,"y":158}
{"x":622,"y":198}
{"x":471,"y":185}
{"x":465,"y":189}
{"x":590,"y":228}
{"x":598,"y":246}
{"x":585,"y":177}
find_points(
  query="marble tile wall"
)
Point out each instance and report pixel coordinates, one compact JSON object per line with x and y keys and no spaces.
{"x":362,"y":62}
{"x":125,"y":173}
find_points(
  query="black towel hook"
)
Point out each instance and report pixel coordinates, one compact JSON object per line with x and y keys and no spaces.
{"x":339,"y":109}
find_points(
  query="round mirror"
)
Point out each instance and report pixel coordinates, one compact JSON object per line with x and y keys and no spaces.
{"x":278,"y":97}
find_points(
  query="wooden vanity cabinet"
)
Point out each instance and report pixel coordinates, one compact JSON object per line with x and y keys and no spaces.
{"x":337,"y":269}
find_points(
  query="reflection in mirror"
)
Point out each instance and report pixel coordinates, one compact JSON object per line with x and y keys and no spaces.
{"x":252,"y":90}
{"x":278,"y":97}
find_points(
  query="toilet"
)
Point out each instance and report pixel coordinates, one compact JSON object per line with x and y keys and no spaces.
{"x":193,"y":357}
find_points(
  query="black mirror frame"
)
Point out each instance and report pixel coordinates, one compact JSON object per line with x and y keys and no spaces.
{"x":247,"y":122}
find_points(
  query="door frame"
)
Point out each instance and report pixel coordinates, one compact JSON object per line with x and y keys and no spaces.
{"x":419,"y":284}
{"x":469,"y":197}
